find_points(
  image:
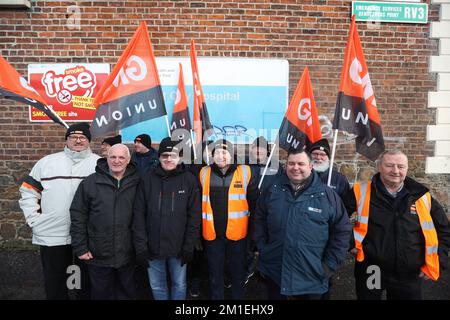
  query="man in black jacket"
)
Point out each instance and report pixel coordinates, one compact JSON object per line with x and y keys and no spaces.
{"x":166,"y":222}
{"x":101,"y":214}
{"x":145,"y":157}
{"x":402,"y":235}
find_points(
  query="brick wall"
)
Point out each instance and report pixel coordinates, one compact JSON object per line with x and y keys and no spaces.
{"x":306,"y":32}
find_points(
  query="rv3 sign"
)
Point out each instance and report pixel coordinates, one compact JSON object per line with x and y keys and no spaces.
{"x":401,"y":12}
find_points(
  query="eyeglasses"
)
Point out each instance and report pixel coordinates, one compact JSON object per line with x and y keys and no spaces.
{"x":166,"y":156}
{"x":319,"y":154}
{"x":75,"y":138}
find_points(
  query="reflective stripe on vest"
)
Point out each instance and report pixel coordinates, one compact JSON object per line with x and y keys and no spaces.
{"x":362,"y":195}
{"x":431,"y":266}
{"x":238,"y":212}
{"x":423,"y":208}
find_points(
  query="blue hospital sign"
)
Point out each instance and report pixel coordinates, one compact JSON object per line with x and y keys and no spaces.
{"x":245,"y":98}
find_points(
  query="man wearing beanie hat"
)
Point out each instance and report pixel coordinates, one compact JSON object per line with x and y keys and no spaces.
{"x":145,"y":156}
{"x":46,"y":195}
{"x":229,"y":194}
{"x":108,"y":143}
{"x":320,"y":154}
{"x":258,"y":156}
{"x":166,"y":222}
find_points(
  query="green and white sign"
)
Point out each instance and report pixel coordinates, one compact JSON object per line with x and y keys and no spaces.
{"x":400,"y":12}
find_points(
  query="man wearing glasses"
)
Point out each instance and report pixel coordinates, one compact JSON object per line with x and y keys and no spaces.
{"x":46,"y":195}
{"x":166,"y":222}
{"x":320,"y":154}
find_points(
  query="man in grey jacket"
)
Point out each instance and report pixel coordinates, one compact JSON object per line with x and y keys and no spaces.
{"x":46,"y":195}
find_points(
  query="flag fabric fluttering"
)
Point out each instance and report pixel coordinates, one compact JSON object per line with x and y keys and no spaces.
{"x":15,"y":87}
{"x":356,"y":109}
{"x":201,"y":117}
{"x":300,"y":126}
{"x":132,"y":93}
{"x":180,"y":116}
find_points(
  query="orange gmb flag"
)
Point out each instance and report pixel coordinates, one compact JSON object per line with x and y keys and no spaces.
{"x":356,"y":107}
{"x":201,"y":117}
{"x":15,"y":87}
{"x":180,"y":116}
{"x":300,"y":125}
{"x":132,"y":93}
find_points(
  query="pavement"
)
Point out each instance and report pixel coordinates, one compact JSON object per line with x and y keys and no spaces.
{"x":21,"y":279}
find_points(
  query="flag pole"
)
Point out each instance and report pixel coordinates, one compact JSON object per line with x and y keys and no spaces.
{"x":332,"y":157}
{"x":57,"y":115}
{"x":207,"y":154}
{"x":167,"y":124}
{"x":193,"y":145}
{"x":267,"y":165}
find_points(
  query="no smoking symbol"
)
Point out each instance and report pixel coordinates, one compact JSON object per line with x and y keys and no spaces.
{"x":64,"y":96}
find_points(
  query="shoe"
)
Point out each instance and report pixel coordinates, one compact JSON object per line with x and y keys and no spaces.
{"x":249,"y":275}
{"x":227,"y":283}
{"x":194,"y":291}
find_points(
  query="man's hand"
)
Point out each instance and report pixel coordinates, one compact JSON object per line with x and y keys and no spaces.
{"x":86,"y":256}
{"x":354,"y":252}
{"x":424,"y":276}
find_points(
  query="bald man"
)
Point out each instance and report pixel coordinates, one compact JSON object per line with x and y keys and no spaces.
{"x":101,"y":214}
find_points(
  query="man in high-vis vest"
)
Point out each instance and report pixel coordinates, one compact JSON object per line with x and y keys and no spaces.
{"x":229,"y":194}
{"x":401,"y":236}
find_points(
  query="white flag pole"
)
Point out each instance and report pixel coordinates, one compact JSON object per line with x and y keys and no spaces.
{"x":193,"y":146}
{"x":207,"y":153}
{"x":267,"y":165}
{"x":332,"y":157}
{"x":168,"y":126}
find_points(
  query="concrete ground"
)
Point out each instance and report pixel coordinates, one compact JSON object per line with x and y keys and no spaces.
{"x":21,"y":279}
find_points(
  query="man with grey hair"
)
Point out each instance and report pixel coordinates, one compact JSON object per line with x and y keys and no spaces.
{"x":401,"y":233}
{"x":101,"y":214}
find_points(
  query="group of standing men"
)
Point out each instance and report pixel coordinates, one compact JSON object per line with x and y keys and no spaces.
{"x":107,"y":214}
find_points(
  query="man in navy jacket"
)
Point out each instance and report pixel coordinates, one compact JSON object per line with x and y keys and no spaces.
{"x":302,"y":232}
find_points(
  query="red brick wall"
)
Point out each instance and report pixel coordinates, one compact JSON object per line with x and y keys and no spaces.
{"x":306,"y":33}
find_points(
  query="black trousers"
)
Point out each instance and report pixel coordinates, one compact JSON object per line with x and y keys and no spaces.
{"x":55,"y":261}
{"x":397,"y":287}
{"x":218,"y":251}
{"x":112,"y":283}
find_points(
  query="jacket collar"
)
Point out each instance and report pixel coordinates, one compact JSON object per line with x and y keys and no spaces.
{"x":162,"y":173}
{"x":77,"y":156}
{"x":312,"y":187}
{"x":412,"y":187}
{"x":103,"y":169}
{"x":219,"y":172}
{"x":150,"y":153}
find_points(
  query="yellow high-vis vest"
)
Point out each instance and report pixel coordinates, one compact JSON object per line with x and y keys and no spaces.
{"x":238,"y":211}
{"x":423,"y":208}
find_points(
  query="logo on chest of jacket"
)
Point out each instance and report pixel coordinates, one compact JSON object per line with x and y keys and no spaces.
{"x":238,"y":184}
{"x":315,"y":209}
{"x":413,"y":209}
{"x":181,"y":191}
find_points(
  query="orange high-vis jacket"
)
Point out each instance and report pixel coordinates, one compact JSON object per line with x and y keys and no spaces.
{"x":238,"y":210}
{"x":423,"y":208}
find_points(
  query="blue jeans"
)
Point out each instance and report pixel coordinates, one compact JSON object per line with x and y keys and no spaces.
{"x":157,"y":273}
